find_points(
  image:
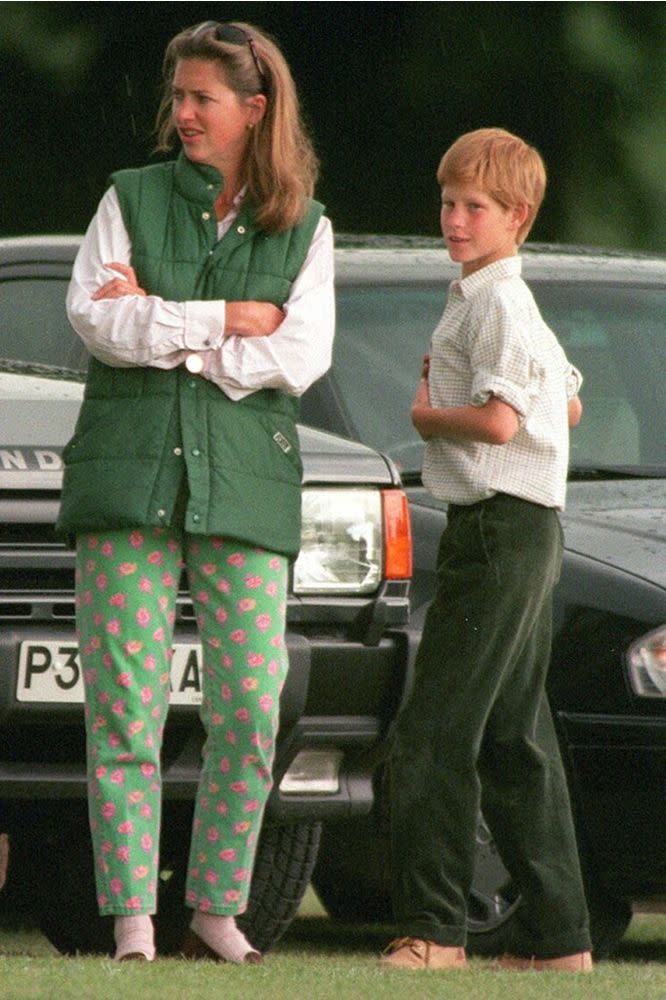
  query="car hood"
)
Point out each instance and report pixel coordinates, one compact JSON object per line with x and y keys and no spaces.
{"x":38,"y":414}
{"x":621,"y":523}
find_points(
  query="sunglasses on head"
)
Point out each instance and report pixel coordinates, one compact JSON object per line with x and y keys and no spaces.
{"x":233,"y":35}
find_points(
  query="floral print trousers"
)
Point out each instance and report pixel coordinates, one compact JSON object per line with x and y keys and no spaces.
{"x":127,"y":583}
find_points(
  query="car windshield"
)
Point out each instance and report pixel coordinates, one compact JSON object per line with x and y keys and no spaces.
{"x":613,"y":333}
{"x":35,"y":334}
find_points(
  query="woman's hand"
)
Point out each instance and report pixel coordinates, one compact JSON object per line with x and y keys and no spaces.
{"x":252,"y":319}
{"x":116,"y":288}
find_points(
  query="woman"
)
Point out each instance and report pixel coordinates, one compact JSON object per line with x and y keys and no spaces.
{"x":204,"y":293}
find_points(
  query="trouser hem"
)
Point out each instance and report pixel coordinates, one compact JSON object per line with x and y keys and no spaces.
{"x":447,"y":937}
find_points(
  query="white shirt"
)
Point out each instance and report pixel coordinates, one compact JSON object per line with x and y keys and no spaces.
{"x":150,"y":331}
{"x":492,"y":341}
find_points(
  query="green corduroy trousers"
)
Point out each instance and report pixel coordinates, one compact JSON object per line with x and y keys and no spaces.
{"x":477,"y":736}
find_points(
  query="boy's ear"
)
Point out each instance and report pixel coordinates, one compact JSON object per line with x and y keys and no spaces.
{"x":519,"y":215}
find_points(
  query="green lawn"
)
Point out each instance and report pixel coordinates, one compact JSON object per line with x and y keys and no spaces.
{"x":319,"y":960}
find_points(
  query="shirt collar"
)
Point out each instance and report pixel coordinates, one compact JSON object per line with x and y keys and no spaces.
{"x":507,"y":267}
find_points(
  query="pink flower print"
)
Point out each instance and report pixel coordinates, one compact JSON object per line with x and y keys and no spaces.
{"x":102,"y":900}
{"x":232,"y":896}
{"x":107,"y":847}
{"x":134,"y":903}
{"x":118,"y":707}
{"x":223,"y":586}
{"x":263,"y":622}
{"x":168,"y":580}
{"x":249,"y":759}
{"x":203,"y":597}
{"x":222,"y":809}
{"x":87,"y":597}
{"x":221,"y":615}
{"x":191,"y":897}
{"x":240,"y":787}
{"x":225,"y":765}
{"x":91,"y":680}
{"x":127,"y":826}
{"x":123,"y":854}
{"x":271,"y":589}
{"x":113,"y":626}
{"x":101,"y":771}
{"x":117,"y":777}
{"x":239,"y":635}
{"x":228,"y":854}
{"x":125,"y":758}
{"x":134,"y":797}
{"x":158,"y":634}
{"x":97,"y":621}
{"x":205,"y":904}
{"x":241,"y":874}
{"x":148,"y":770}
{"x":266,"y":703}
{"x":155,"y":558}
{"x":108,"y":810}
{"x":143,"y":617}
{"x":208,"y":569}
{"x":116,"y":886}
{"x":140,"y":872}
{"x":118,"y":600}
{"x":242,"y":715}
{"x":236,"y":559}
{"x":211,"y":877}
{"x":146,"y":811}
{"x":127,"y":568}
{"x":274,"y":562}
{"x":133,"y":646}
{"x":107,"y":660}
{"x":212,"y":834}
{"x":251,"y":805}
{"x":230,"y":737}
{"x":136,"y":539}
{"x":107,"y":549}
{"x":114,"y":741}
{"x":102,"y":582}
{"x":163,"y":603}
{"x":145,"y":585}
{"x":227,"y":662}
{"x":217,"y":719}
{"x":273,"y":668}
{"x":252,"y":581}
{"x":99,"y":723}
{"x":135,"y":726}
{"x":246,"y":604}
{"x":146,"y":842}
{"x":225,"y":692}
{"x":249,"y":684}
{"x":149,"y":662}
{"x":241,"y":827}
{"x":146,"y":696}
{"x":255,"y":660}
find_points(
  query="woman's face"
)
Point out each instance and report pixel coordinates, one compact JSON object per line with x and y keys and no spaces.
{"x":212,"y":122}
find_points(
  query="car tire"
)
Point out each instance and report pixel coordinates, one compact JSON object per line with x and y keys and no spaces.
{"x":64,"y":900}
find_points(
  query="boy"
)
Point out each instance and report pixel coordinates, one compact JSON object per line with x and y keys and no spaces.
{"x":494,"y":404}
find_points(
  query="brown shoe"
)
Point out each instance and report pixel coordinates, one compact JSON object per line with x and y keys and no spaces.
{"x":413,"y":953}
{"x":579,"y":962}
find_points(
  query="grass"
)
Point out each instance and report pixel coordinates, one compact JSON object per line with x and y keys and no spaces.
{"x":319,"y":960}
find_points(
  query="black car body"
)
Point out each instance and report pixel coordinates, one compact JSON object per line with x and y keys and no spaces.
{"x":351,"y":655}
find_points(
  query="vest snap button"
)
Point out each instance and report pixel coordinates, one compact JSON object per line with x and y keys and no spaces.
{"x":161,"y":513}
{"x":196,"y":452}
{"x":205,"y":216}
{"x":241,"y":230}
{"x":196,"y":518}
{"x":178,"y":451}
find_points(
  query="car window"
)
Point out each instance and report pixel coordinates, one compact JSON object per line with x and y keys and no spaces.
{"x":34,"y":328}
{"x":613,"y":334}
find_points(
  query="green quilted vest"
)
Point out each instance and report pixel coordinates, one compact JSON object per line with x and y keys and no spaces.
{"x":142,"y":432}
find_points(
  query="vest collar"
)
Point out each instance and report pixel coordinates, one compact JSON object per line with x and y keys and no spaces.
{"x":197,"y":182}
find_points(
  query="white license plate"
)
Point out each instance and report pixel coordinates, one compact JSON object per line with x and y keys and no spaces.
{"x":51,"y":672}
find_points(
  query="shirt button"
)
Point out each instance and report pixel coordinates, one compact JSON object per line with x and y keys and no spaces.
{"x":210,"y":187}
{"x":178,"y":451}
{"x":205,"y":216}
{"x":196,"y":452}
{"x":192,"y":383}
{"x":240,"y":229}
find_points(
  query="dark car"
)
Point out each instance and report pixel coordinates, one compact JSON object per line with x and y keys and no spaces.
{"x":608,"y":676}
{"x":607,"y":682}
{"x":349,"y":648}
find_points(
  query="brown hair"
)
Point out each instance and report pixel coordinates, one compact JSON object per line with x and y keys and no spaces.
{"x":282,"y":167}
{"x":504,"y":166}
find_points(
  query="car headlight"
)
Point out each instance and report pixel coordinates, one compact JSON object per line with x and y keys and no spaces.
{"x":352,"y":539}
{"x":646,"y":659}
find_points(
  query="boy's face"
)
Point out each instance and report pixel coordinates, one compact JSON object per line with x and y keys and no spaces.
{"x":476,"y":228}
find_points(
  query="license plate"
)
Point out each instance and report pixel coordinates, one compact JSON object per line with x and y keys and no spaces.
{"x":51,"y":672}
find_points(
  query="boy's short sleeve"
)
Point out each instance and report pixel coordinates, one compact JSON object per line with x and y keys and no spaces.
{"x":501,"y":361}
{"x":574,"y":381}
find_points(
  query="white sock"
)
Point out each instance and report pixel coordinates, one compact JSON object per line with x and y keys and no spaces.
{"x":222,"y":935}
{"x":134,"y":936}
